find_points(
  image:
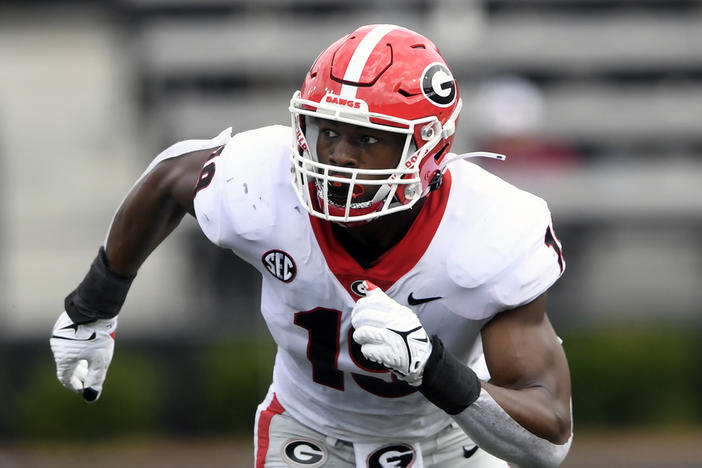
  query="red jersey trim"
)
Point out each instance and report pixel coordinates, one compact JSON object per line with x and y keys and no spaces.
{"x":401,"y":257}
{"x":264,"y":424}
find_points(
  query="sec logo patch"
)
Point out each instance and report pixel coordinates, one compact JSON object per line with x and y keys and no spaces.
{"x":304,"y":453}
{"x":280,"y":265}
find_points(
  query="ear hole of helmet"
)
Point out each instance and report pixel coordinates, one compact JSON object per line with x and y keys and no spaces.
{"x":427,"y":132}
{"x":441,"y":152}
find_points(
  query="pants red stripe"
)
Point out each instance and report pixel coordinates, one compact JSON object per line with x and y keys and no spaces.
{"x":264,"y":423}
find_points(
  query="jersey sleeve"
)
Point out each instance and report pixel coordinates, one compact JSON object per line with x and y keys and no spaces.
{"x":235,"y":199}
{"x":533,"y":272}
{"x":507,"y":253}
{"x":188,"y":146}
{"x":211,"y":209}
{"x":180,"y":149}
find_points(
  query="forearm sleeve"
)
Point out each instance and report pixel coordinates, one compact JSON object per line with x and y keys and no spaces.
{"x":100,"y":295}
{"x":497,"y":433}
{"x":456,"y":389}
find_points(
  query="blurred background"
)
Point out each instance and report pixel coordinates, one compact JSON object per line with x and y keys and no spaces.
{"x":597,"y":103}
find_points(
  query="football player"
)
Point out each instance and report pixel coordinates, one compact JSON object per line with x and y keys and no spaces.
{"x":405,"y":287}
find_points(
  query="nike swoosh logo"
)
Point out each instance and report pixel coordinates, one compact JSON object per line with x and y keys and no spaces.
{"x":90,"y":338}
{"x":467,"y":453}
{"x":404,"y":336}
{"x":413,"y":301}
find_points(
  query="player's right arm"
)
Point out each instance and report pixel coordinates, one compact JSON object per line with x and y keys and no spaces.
{"x":152,"y":210}
{"x":82,"y":339}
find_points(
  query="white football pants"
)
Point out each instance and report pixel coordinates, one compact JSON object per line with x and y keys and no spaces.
{"x":281,"y":441}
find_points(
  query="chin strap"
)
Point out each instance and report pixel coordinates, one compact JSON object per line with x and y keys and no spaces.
{"x":474,"y":154}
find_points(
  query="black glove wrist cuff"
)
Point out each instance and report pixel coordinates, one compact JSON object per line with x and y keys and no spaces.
{"x":101,"y":293}
{"x":447,"y":382}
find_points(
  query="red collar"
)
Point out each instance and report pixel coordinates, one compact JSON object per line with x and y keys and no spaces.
{"x":399,"y":259}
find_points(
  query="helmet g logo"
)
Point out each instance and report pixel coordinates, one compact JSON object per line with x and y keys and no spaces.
{"x":438,"y":85}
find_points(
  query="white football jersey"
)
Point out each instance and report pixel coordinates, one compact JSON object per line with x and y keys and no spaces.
{"x":479,"y":246}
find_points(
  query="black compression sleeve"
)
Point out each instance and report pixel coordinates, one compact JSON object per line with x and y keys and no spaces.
{"x":447,"y":382}
{"x":101,"y":293}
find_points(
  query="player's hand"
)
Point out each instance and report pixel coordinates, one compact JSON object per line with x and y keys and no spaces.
{"x":390,"y":334}
{"x":83,"y":354}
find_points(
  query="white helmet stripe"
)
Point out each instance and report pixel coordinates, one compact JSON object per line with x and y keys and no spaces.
{"x":360,"y":57}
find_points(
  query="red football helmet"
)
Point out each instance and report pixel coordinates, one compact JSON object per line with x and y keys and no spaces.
{"x":384,"y":77}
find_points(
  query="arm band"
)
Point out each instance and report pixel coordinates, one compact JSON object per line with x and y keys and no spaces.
{"x":497,"y":433}
{"x":447,"y":382}
{"x":101,"y":293}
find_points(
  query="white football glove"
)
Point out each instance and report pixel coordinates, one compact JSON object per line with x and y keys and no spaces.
{"x":390,"y":334}
{"x":83,"y":353}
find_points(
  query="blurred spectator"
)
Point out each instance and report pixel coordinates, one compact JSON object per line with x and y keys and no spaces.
{"x":510,"y":113}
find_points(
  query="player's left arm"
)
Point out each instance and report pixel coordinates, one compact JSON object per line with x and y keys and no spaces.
{"x":529,"y":372}
{"x":522,"y":415}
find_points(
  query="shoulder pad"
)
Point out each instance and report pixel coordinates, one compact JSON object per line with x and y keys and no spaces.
{"x":497,"y":223}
